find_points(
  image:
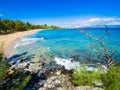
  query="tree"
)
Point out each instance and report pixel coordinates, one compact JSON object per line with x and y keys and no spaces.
{"x":104,"y":54}
{"x":28,"y":26}
{"x":2,"y":26}
{"x":19,"y":25}
{"x":10,"y":26}
{"x":3,"y":65}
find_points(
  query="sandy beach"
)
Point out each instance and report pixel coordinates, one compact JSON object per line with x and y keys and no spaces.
{"x":10,"y":40}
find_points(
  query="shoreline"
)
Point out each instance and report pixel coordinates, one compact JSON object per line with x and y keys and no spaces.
{"x":10,"y":40}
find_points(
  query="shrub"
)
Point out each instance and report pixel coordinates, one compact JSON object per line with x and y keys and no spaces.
{"x":83,"y":77}
{"x":23,"y":84}
{"x":111,"y":79}
{"x":3,"y":65}
{"x":16,"y":81}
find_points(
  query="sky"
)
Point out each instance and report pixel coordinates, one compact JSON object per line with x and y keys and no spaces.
{"x":62,"y":12}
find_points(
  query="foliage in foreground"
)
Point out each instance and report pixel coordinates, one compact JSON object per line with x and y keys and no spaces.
{"x":16,"y":81}
{"x":3,"y":65}
{"x":110,"y":80}
{"x":23,"y":84}
{"x":105,"y":55}
{"x":83,"y":77}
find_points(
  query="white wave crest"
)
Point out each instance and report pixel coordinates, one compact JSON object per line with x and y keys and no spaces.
{"x":67,"y":63}
{"x":31,"y":39}
{"x":22,"y":44}
{"x":72,"y":65}
{"x":26,"y":41}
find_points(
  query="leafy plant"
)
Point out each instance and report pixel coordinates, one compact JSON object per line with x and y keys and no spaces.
{"x":83,"y":77}
{"x":16,"y":81}
{"x":23,"y":84}
{"x":111,"y":79}
{"x":3,"y":65}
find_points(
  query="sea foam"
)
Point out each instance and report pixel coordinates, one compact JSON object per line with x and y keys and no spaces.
{"x":67,"y":63}
{"x":26,"y":41}
{"x":72,"y":64}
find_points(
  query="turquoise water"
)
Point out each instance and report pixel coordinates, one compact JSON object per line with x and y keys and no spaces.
{"x":65,"y":43}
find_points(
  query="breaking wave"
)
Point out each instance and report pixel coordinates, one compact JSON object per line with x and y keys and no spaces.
{"x":26,"y":41}
{"x":67,"y":63}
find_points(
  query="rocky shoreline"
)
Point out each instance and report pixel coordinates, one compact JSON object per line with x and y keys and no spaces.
{"x":46,"y":76}
{"x":50,"y":76}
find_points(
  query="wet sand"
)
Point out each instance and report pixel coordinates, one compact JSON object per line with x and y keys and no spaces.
{"x":10,"y":40}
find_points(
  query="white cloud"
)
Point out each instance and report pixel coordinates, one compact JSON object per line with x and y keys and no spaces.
{"x":76,"y":22}
{"x":93,"y":22}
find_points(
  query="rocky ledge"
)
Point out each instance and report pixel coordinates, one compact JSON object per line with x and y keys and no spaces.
{"x":51,"y":77}
{"x":46,"y":76}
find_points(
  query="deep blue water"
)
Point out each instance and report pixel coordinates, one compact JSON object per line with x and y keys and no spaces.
{"x":66,"y":43}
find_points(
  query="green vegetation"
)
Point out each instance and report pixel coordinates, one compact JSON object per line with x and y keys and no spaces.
{"x":3,"y":66}
{"x":108,"y":78}
{"x":23,"y":84}
{"x":111,"y":79}
{"x":16,"y":81}
{"x":10,"y":26}
{"x":83,"y":77}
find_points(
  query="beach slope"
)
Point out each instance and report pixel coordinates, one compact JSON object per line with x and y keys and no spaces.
{"x":9,"y":40}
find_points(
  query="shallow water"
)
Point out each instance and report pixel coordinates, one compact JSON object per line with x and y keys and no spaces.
{"x":65,"y":43}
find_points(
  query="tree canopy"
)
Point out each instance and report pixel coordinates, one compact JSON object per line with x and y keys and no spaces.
{"x":10,"y":26}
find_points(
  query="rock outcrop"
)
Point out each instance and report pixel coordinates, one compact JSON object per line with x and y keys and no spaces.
{"x":51,"y":77}
{"x":58,"y":81}
{"x":46,"y":76}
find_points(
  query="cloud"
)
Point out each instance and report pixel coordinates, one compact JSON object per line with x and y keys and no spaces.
{"x":76,"y":22}
{"x":93,"y":22}
{"x":1,"y":14}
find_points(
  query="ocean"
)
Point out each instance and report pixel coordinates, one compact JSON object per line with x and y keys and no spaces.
{"x":63,"y":45}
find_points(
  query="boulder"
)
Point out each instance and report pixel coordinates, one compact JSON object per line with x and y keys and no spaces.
{"x":51,"y":77}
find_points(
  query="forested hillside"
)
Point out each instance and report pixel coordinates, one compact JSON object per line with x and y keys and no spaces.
{"x":10,"y":26}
